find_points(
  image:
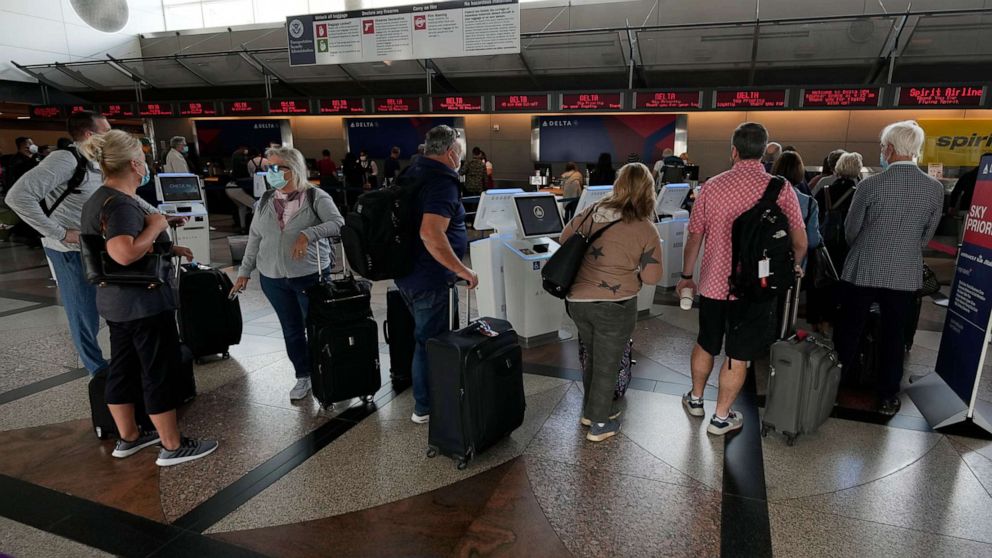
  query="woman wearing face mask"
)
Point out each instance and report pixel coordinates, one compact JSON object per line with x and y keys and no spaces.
{"x":175,"y":160}
{"x":144,"y":339}
{"x":370,"y":171}
{"x":288,"y":238}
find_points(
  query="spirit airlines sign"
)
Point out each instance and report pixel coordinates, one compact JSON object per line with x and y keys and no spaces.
{"x":957,"y":142}
{"x":440,"y":30}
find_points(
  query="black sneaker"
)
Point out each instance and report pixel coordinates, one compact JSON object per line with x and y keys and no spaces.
{"x":127,"y":449}
{"x":692,"y":405}
{"x":890,"y":407}
{"x":188,"y":450}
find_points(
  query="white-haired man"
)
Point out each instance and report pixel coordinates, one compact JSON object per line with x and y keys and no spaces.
{"x":175,"y":160}
{"x":894,"y":214}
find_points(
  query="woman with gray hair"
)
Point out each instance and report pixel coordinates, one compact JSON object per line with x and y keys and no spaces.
{"x":893,"y":215}
{"x":175,"y":159}
{"x":288,"y":244}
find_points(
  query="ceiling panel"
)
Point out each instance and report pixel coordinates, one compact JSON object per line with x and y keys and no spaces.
{"x":597,"y":52}
{"x":857,"y":41}
{"x":706,"y":48}
{"x":279,"y":62}
{"x":168,"y":73}
{"x":506,"y":64}
{"x":950,"y":38}
{"x":105,"y":75}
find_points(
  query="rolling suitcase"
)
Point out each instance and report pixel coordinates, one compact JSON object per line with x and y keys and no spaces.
{"x":476,"y":386}
{"x":209,"y":321}
{"x":803,"y":380}
{"x":624,"y":370}
{"x":344,"y":341}
{"x":398,"y":331}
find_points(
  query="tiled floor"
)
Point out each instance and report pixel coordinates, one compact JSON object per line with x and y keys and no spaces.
{"x":293,"y":479}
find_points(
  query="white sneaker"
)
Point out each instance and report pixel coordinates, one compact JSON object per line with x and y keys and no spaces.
{"x":420,"y":419}
{"x":300,"y":390}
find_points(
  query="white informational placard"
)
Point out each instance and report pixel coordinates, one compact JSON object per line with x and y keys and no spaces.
{"x":441,"y":30}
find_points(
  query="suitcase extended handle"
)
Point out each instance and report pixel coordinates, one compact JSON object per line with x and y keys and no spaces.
{"x":453,"y":314}
{"x":344,"y":259}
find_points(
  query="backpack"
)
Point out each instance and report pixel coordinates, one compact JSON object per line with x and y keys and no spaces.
{"x":380,"y":231}
{"x":72,"y":186}
{"x":760,"y":237}
{"x":475,"y":176}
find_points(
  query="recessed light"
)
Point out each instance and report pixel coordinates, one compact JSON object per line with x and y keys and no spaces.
{"x":24,"y":118}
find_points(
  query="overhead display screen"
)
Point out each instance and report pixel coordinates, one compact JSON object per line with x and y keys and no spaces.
{"x":73,"y":109}
{"x":156,"y":110}
{"x":583,"y":137}
{"x":289,"y":106}
{"x":756,"y":99}
{"x":244,"y":108}
{"x":118,"y":110}
{"x":940,"y":96}
{"x":663,"y":100}
{"x":841,"y":98}
{"x":470,"y":103}
{"x":341,"y":106}
{"x":198,"y":108}
{"x":520,"y":103}
{"x":591,"y":101}
{"x":47,"y":112}
{"x":397,"y":104}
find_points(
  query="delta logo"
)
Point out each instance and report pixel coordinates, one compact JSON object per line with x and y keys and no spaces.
{"x":365,"y":124}
{"x":970,"y":142}
{"x":559,"y":123}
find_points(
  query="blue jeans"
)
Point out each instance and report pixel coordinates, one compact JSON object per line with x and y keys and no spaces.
{"x":79,"y":300}
{"x":430,"y":318}
{"x":290,"y":302}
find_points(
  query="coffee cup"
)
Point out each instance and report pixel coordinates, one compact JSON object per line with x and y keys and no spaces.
{"x":685,"y":298}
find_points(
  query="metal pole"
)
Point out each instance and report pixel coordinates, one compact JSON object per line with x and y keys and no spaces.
{"x":427,"y":69}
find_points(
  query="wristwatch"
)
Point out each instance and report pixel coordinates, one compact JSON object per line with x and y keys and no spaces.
{"x":687,"y":277}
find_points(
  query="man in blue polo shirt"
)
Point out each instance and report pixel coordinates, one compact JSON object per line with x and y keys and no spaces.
{"x":439,"y":252}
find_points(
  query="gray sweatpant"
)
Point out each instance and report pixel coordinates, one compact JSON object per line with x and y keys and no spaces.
{"x":604,"y":328}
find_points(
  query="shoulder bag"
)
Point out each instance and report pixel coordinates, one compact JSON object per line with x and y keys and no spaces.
{"x":559,"y":273}
{"x":151,"y":271}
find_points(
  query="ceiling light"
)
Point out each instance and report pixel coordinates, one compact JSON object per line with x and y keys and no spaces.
{"x":23,"y":117}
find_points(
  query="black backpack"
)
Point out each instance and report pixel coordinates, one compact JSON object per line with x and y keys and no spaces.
{"x":380,"y":231}
{"x":72,"y":187}
{"x":762,"y":233}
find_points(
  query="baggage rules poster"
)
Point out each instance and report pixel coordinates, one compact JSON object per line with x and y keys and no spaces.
{"x":964,"y":343}
{"x":440,"y":30}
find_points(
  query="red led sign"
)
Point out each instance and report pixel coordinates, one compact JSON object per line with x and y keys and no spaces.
{"x":765,"y":99}
{"x":47,"y":112}
{"x":243,"y":108}
{"x":661,"y":100}
{"x":198,"y":108}
{"x":841,"y":98}
{"x":517,"y":103}
{"x":397,"y":104}
{"x":118,"y":110}
{"x":341,"y":106}
{"x":152,"y":110}
{"x":289,"y":106}
{"x":940,"y":96}
{"x":73,"y":109}
{"x":591,"y":101}
{"x":472,"y":103}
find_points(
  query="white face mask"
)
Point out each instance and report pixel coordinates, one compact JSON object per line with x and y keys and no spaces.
{"x":363,"y":158}
{"x":33,"y":149}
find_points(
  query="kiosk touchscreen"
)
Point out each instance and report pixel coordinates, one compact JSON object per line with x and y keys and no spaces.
{"x":673,"y":223}
{"x":496,"y":213}
{"x":181,"y":195}
{"x":591,"y":195}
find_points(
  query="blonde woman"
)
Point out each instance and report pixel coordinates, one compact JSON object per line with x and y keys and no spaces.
{"x":288,"y":237}
{"x":603,"y":299}
{"x":144,"y":339}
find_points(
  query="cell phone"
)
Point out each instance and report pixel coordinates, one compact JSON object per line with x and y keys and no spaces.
{"x":234,"y":295}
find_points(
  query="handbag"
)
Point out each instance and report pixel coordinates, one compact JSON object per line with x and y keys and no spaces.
{"x":930,"y":284}
{"x":151,"y":271}
{"x":824,"y":271}
{"x":562,"y":268}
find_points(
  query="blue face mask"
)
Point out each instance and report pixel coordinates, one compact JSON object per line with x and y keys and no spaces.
{"x":275,"y":178}
{"x":881,"y":161}
{"x":146,"y":177}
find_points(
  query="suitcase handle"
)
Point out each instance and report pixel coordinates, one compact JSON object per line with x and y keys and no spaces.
{"x":385,"y":330}
{"x":344,"y":260}
{"x":453,"y":314}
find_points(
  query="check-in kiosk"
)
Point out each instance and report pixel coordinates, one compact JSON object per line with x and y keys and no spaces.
{"x":495,"y":213}
{"x":181,"y":195}
{"x":532,"y":311}
{"x":673,"y":225}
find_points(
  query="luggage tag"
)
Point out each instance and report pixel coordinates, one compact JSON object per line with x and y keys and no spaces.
{"x":485,"y":329}
{"x":764,"y":268}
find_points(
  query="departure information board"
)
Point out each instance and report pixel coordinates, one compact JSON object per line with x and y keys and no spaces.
{"x":665,"y":100}
{"x":289,"y":106}
{"x":118,"y":110}
{"x":47,"y":112}
{"x":156,"y":110}
{"x":464,"y":103}
{"x":963,"y":96}
{"x":244,"y":108}
{"x":73,"y":109}
{"x":841,"y":98}
{"x":591,"y":101}
{"x":520,"y":103}
{"x":341,"y":106}
{"x":397,"y":104}
{"x":198,"y":108}
{"x":750,"y":98}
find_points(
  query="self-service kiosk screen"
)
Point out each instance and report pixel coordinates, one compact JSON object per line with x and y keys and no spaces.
{"x":538,"y":216}
{"x":180,"y":188}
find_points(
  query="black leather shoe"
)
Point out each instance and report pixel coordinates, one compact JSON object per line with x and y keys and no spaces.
{"x":890,"y":407}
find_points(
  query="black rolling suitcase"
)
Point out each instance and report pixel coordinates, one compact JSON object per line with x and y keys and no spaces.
{"x":209,"y":321}
{"x":476,"y":386}
{"x":398,"y":331}
{"x":344,"y":341}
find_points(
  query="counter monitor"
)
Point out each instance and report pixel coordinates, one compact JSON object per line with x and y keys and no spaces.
{"x":953,"y":96}
{"x":178,"y":187}
{"x":841,"y":98}
{"x":73,"y":109}
{"x":118,"y":110}
{"x":156,"y":110}
{"x":663,"y":100}
{"x":289,"y":106}
{"x":520,"y":103}
{"x":341,"y":106}
{"x":47,"y":112}
{"x":750,"y":98}
{"x":198,"y":108}
{"x":397,"y":104}
{"x":244,"y":108}
{"x":464,"y":103}
{"x":537,"y":215}
{"x":591,"y":195}
{"x":591,"y":101}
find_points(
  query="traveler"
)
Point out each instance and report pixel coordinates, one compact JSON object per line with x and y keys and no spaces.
{"x":747,"y":326}
{"x":475,"y":173}
{"x":175,"y":159}
{"x":490,"y":182}
{"x":239,"y":163}
{"x":603,"y":298}
{"x":288,"y":239}
{"x":439,"y":250}
{"x":826,"y":176}
{"x":354,"y":177}
{"x":326,"y":165}
{"x":391,"y":168}
{"x":603,"y":173}
{"x":44,"y":151}
{"x":668,"y":159}
{"x":23,"y":160}
{"x":893,"y":215}
{"x":790,"y":167}
{"x":370,"y":171}
{"x":572,"y":181}
{"x":419,"y":153}
{"x":257,"y":163}
{"x":144,"y":338}
{"x":772,"y":153}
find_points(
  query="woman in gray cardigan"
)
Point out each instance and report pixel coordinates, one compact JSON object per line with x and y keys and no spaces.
{"x":288,"y":237}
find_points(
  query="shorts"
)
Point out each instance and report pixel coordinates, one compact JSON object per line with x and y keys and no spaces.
{"x":748,"y":327}
{"x":142,"y":354}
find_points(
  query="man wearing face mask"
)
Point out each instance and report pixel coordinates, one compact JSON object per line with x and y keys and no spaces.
{"x":439,"y":251}
{"x":175,"y":160}
{"x":24,"y":160}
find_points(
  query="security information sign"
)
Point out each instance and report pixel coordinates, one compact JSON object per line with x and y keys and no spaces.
{"x":966,"y":331}
{"x":441,"y":30}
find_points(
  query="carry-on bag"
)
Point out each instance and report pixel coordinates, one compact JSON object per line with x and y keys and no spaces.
{"x":209,"y":319}
{"x":343,"y":339}
{"x":476,"y":387}
{"x":398,"y":331}
{"x":559,"y":273}
{"x":624,"y":370}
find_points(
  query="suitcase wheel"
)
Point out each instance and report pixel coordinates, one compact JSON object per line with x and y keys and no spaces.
{"x":790,"y":439}
{"x":100,"y":433}
{"x":764,"y":430}
{"x":199,"y":361}
{"x":462,"y":464}
{"x":432,"y":452}
{"x":367,"y":399}
{"x":226,"y":355}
